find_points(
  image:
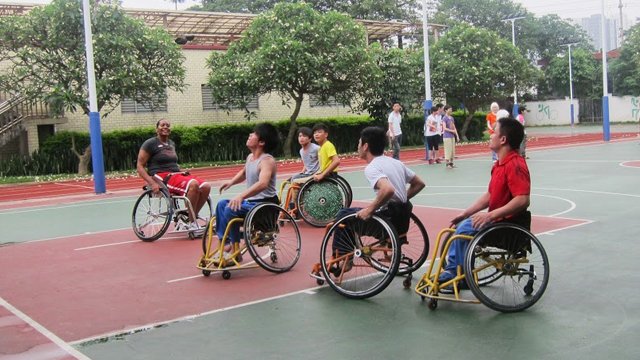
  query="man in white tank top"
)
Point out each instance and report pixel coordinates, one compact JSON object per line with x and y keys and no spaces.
{"x":260,"y":173}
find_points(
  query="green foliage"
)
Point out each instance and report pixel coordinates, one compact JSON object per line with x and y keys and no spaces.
{"x":213,"y":143}
{"x":536,"y":38}
{"x":626,"y":69}
{"x":475,"y":67}
{"x":367,"y":9}
{"x":46,"y":53}
{"x":413,"y":127}
{"x":402,"y":81}
{"x":293,"y":51}
{"x":586,"y":72}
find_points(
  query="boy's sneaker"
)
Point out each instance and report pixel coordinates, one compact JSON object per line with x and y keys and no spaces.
{"x":430,"y":161}
{"x":438,"y":161}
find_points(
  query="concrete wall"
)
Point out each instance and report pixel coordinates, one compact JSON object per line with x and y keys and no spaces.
{"x":553,"y":112}
{"x":557,"y":112}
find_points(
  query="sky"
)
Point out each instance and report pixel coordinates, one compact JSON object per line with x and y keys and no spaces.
{"x":563,"y":8}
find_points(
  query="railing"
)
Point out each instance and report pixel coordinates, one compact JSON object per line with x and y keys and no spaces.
{"x":13,"y":110}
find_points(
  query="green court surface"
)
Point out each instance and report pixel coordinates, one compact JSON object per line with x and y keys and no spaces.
{"x":590,"y":310}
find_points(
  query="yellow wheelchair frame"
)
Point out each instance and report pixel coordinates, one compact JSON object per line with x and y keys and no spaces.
{"x":272,"y":241}
{"x":505,"y":267}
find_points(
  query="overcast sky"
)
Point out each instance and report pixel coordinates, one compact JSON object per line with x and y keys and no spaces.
{"x":563,"y":8}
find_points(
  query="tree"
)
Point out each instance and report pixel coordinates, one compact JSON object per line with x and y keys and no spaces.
{"x":367,"y":9}
{"x":294,"y":51}
{"x":537,"y":38}
{"x":176,"y":2}
{"x":402,"y":81}
{"x":475,"y":66}
{"x":45,"y":56}
{"x":585,"y":70}
{"x":626,"y":69}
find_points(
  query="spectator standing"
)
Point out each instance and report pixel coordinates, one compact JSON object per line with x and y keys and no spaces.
{"x":431,"y":133}
{"x":450,"y":136}
{"x":395,"y":131}
{"x":491,"y":123}
{"x":523,"y":145}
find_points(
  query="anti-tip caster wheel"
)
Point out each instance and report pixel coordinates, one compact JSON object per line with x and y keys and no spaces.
{"x":226,"y":274}
{"x":206,"y":272}
{"x":433,"y":304}
{"x":406,"y":283}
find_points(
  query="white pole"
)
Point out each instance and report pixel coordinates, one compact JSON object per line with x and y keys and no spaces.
{"x":97,"y":161}
{"x":513,"y":41}
{"x":605,"y":99}
{"x":427,"y":70}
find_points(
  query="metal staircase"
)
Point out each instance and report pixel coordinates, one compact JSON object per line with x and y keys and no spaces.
{"x":13,"y":111}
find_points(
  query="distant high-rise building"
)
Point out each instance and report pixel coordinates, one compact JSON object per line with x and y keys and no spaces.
{"x":593,"y":26}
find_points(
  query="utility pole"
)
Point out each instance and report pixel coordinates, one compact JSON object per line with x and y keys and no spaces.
{"x":513,"y":41}
{"x":620,"y":6}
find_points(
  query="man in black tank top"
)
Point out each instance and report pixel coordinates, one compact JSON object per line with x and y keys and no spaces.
{"x":260,"y":173}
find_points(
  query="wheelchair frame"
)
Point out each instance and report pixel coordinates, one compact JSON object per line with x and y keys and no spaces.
{"x":256,"y":240}
{"x":504,"y":264}
{"x":172,"y":213}
{"x":391,"y":262}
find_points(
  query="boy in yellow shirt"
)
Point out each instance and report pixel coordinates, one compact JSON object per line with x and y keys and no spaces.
{"x":328,"y":156}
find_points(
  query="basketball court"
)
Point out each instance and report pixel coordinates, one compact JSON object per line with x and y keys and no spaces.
{"x":77,"y":283}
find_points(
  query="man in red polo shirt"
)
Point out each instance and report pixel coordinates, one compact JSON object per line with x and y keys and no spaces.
{"x":507,"y":197}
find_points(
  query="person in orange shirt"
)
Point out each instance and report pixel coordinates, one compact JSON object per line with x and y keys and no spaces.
{"x":492,"y":117}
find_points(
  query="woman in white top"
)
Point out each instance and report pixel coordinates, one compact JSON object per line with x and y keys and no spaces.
{"x":395,"y":131}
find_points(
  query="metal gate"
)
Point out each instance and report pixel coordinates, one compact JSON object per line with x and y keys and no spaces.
{"x":590,"y":111}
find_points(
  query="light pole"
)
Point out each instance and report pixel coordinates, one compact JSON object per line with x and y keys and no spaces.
{"x":513,"y":41}
{"x":605,"y":98}
{"x":97,"y":161}
{"x":570,"y":84}
{"x":428,"y":103}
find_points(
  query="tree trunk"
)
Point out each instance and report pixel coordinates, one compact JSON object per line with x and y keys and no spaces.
{"x":84,"y":159}
{"x":465,"y":126}
{"x":293,"y":127}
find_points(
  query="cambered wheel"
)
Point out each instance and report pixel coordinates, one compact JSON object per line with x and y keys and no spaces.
{"x":320,"y":202}
{"x":209,"y":237}
{"x":272,"y":237}
{"x":355,"y":268}
{"x":346,"y":188}
{"x":152,"y":215}
{"x":414,"y":247}
{"x":518,"y":257}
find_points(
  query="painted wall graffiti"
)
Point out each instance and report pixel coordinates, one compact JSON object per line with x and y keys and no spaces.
{"x":635,"y":108}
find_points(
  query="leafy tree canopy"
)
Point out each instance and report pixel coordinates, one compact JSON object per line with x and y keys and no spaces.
{"x":46,"y":60}
{"x":586,"y":72}
{"x":537,"y":38}
{"x":475,"y":66}
{"x":364,"y":9}
{"x":402,"y":81}
{"x":294,"y":50}
{"x":626,"y":69}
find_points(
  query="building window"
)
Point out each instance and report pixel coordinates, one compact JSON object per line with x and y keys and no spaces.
{"x":129,"y":105}
{"x":314,"y":101}
{"x":208,"y":104}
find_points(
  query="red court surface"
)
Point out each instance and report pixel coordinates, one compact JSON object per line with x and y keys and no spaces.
{"x":15,"y":195}
{"x":89,"y":286}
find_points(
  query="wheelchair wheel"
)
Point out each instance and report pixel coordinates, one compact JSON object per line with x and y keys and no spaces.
{"x":414,"y":247}
{"x":209,"y":235}
{"x":347,"y":189}
{"x":319,"y":202}
{"x":520,"y":262}
{"x":272,"y":237}
{"x":354,"y":269}
{"x":152,"y":215}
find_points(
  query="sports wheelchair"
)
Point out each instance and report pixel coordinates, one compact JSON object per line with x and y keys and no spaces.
{"x":317,"y":203}
{"x":367,"y":254}
{"x":271,"y":237}
{"x":505,"y":267}
{"x":153,"y":213}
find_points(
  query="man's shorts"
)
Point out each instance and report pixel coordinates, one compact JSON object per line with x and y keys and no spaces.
{"x":178,"y":183}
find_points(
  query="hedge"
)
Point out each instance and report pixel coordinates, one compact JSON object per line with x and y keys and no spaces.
{"x":196,"y":144}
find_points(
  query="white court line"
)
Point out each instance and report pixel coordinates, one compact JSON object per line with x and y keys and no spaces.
{"x":105,"y":245}
{"x":552,"y":232}
{"x":191,"y":317}
{"x":572,"y":205}
{"x":185,"y":278}
{"x":74,"y":185}
{"x":623,"y":164}
{"x":44,"y":331}
{"x":101,"y":203}
{"x":69,"y":236}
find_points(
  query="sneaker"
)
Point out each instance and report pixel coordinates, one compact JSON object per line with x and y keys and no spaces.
{"x":216,"y":258}
{"x":193,"y":226}
{"x":445,"y":276}
{"x":462,"y":285}
{"x":430,"y":161}
{"x":438,"y":161}
{"x":181,"y":225}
